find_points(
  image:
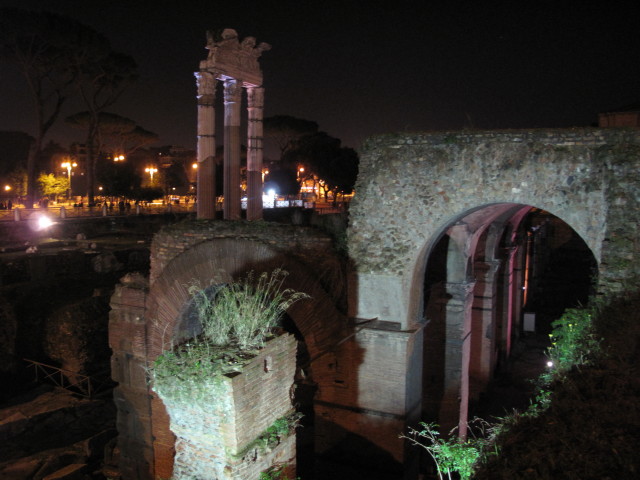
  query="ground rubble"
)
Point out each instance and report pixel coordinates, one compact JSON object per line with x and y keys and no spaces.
{"x":49,"y":433}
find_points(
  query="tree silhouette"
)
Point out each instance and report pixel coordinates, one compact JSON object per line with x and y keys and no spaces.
{"x":323,"y":157}
{"x":101,"y":82}
{"x":284,"y":131}
{"x":43,"y":47}
{"x":114,"y":133}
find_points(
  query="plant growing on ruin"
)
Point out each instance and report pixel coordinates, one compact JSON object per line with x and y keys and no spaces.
{"x":452,"y":455}
{"x":273,"y":434}
{"x":244,"y":313}
{"x":236,"y":321}
{"x":573,"y":341}
{"x":277,"y":472}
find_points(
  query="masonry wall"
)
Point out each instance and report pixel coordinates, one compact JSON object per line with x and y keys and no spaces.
{"x":127,"y":339}
{"x":216,"y":431}
{"x":218,"y":252}
{"x":410,"y":187}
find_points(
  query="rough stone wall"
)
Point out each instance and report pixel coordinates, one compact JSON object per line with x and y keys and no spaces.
{"x":411,"y":186}
{"x":620,"y":266}
{"x":214,"y":433}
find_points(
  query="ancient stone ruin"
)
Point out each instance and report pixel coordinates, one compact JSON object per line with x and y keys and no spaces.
{"x":235,"y":64}
{"x":439,"y":240}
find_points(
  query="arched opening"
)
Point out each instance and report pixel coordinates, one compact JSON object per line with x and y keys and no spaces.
{"x":316,"y":323}
{"x":303,"y":389}
{"x":495,"y":279}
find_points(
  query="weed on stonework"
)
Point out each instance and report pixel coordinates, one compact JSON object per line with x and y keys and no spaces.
{"x":236,"y":321}
{"x":454,"y":457}
{"x":583,"y":420}
{"x":278,"y":472}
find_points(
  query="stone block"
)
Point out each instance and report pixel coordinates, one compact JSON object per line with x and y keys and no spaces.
{"x":211,"y":436}
{"x":359,"y":435}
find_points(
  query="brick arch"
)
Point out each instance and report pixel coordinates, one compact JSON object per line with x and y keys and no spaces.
{"x":220,"y":261}
{"x":226,"y":259}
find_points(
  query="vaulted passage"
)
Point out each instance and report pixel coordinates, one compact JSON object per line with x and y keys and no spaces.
{"x":472,"y":240}
{"x":493,"y":275}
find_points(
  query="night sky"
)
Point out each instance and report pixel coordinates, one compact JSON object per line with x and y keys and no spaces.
{"x":360,"y":68}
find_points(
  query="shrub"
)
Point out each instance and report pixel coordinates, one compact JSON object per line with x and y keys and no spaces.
{"x":452,"y":455}
{"x":236,"y":321}
{"x":245,"y":312}
{"x":573,"y":340}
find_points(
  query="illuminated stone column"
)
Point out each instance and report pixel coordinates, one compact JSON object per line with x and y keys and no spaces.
{"x":483,"y":326}
{"x":506,"y":323}
{"x":232,"y":101}
{"x":455,"y":401}
{"x":206,"y":198}
{"x":254,"y":153}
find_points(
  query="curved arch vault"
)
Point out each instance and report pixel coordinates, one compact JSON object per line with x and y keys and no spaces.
{"x":449,"y":239}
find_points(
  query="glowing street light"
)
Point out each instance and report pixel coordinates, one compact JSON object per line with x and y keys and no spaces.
{"x":118,"y":158}
{"x":44,"y":222}
{"x":151,"y":171}
{"x":69,"y":166}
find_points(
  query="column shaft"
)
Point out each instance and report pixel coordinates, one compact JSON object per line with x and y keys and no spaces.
{"x":232,"y":100}
{"x":455,"y":401}
{"x":254,"y":153}
{"x":206,"y":198}
{"x":483,"y":328}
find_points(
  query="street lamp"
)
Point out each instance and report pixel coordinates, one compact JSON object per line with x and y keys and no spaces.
{"x":118,"y":158}
{"x":69,"y":166}
{"x":151,"y":171}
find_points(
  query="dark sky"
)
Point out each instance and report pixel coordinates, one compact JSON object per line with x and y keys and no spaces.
{"x":360,"y":68}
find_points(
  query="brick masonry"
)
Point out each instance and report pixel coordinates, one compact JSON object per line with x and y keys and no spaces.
{"x":215,"y":431}
{"x":146,"y":316}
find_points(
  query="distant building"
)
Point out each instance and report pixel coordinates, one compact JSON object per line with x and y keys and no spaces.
{"x":628,"y":116}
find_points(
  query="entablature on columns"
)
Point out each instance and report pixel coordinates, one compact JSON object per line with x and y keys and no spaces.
{"x":229,"y":58}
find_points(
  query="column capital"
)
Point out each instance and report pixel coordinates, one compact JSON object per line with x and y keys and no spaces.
{"x":255,"y":97}
{"x":459,"y":291}
{"x":232,"y":90}
{"x":492,"y":266}
{"x":206,"y":83}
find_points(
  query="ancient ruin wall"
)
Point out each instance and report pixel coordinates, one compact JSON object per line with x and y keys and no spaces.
{"x":222,"y":431}
{"x":145,"y":317}
{"x":411,"y":186}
